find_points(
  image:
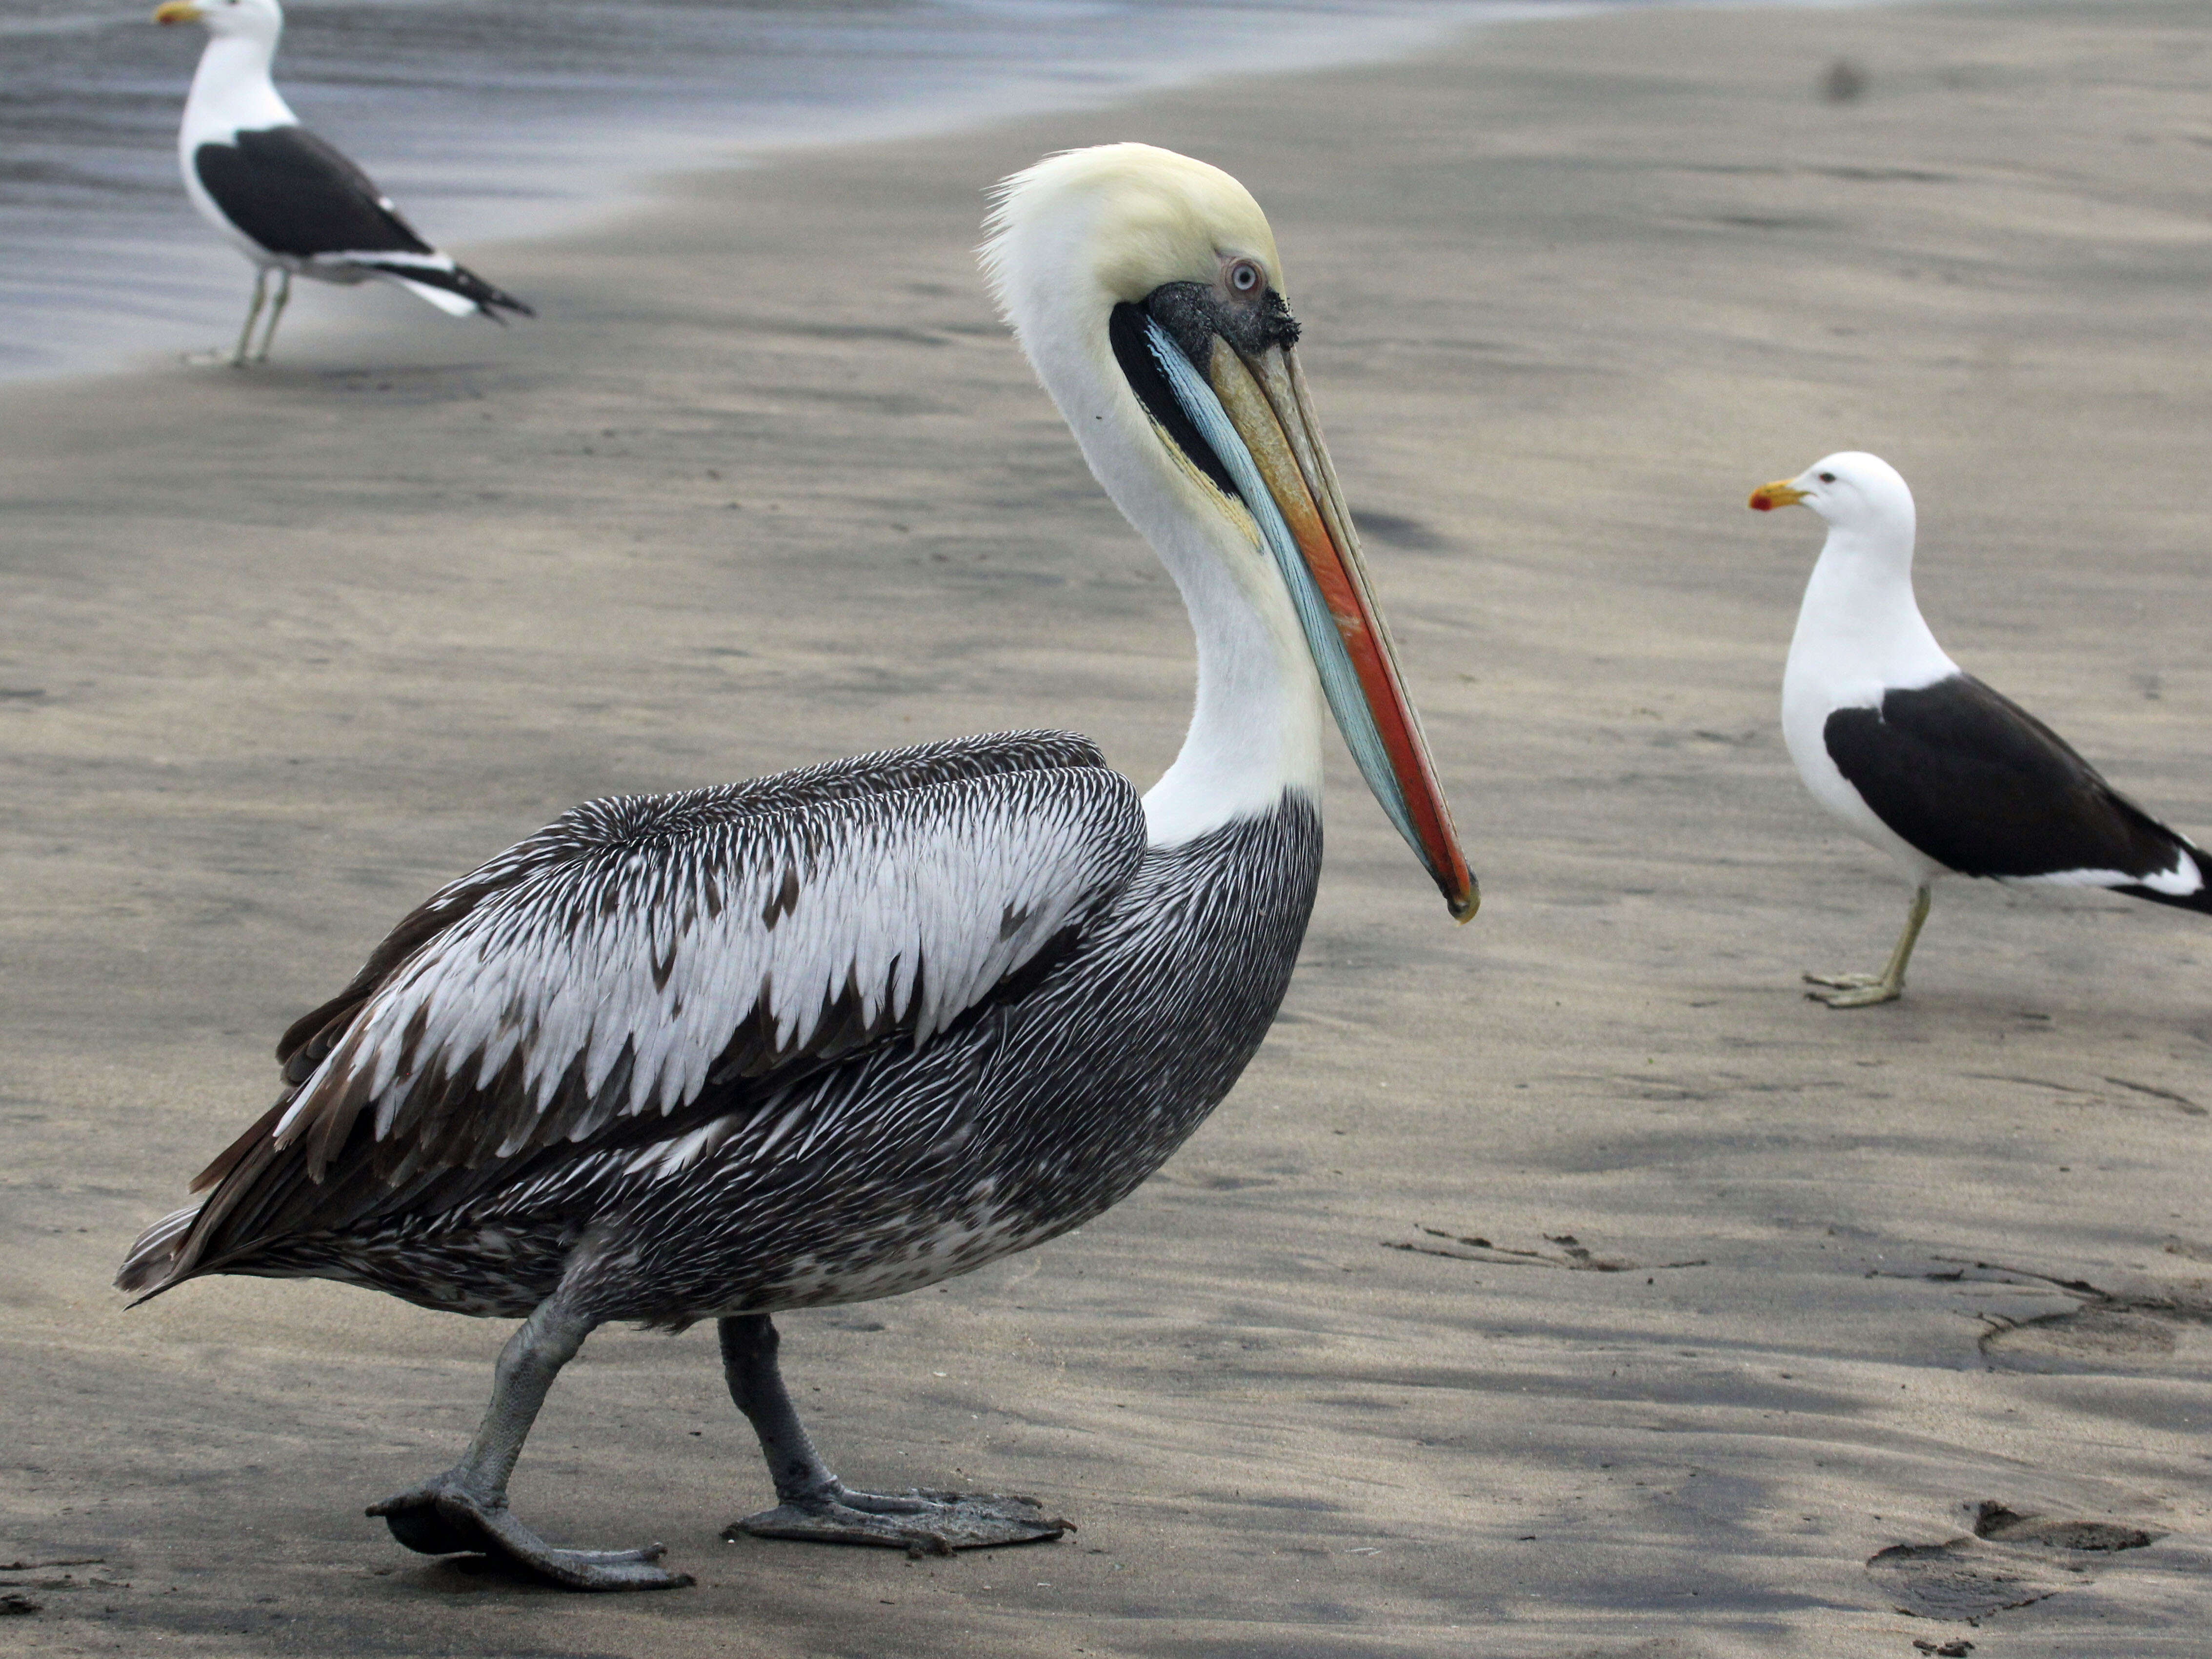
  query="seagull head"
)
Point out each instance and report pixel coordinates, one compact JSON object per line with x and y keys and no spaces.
{"x":1852,"y":490}
{"x":255,"y":20}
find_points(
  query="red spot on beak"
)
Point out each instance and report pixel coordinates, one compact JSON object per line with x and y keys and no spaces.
{"x":1761,"y":501}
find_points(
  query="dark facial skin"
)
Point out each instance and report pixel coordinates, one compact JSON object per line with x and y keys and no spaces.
{"x":1239,"y":306}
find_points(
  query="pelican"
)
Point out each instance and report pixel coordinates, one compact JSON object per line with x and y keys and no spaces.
{"x":1917,"y":757}
{"x":843,"y":1032}
{"x":285,"y":199}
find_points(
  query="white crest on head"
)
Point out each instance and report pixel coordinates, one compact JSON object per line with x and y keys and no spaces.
{"x":1120,"y":219}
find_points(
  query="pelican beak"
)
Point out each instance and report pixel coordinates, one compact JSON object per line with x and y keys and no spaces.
{"x":177,"y":11}
{"x":1768,"y":496}
{"x":1265,"y":399}
{"x":1255,"y":413}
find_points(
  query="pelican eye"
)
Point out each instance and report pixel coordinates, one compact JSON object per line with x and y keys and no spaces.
{"x":1827,"y":477}
{"x":1245,"y":278}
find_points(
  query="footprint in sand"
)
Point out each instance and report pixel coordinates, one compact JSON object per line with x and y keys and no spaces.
{"x":2085,"y":1336}
{"x":2012,"y":1560}
{"x":1955,"y":1582}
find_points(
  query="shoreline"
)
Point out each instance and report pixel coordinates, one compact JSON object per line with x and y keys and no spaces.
{"x":282,"y":651}
{"x":577,"y":188}
{"x":533,"y":176}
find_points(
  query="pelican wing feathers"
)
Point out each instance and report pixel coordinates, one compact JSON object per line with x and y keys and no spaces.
{"x":640,"y":948}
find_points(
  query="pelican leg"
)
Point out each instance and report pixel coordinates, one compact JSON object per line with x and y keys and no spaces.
{"x":1864,"y":990}
{"x":814,"y":1504}
{"x":464,"y":1510}
{"x":238,"y":358}
{"x":276,"y":314}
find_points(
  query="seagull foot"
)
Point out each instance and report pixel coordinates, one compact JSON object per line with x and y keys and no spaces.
{"x":1853,"y":990}
{"x":919,"y":1523}
{"x":442,"y":1518}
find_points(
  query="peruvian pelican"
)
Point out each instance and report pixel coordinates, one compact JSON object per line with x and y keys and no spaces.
{"x":1918,"y":758}
{"x":285,"y":199}
{"x":842,"y":1032}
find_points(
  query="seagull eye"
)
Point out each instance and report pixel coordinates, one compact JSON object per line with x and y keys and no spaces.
{"x":1827,"y":477}
{"x":1245,"y":277}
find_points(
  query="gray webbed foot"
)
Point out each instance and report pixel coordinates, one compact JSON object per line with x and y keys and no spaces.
{"x":919,"y":1523}
{"x":441,"y":1517}
{"x":816,"y":1505}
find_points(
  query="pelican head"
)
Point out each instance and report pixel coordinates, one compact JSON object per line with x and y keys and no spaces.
{"x":256,"y":20}
{"x":1146,"y":290}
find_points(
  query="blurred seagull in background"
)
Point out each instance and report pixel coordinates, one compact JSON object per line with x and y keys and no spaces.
{"x":285,"y":199}
{"x":1920,"y":758}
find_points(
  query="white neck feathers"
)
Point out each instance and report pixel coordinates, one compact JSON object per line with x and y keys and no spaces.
{"x":1859,"y":622}
{"x":1256,"y":731}
{"x":232,"y":91}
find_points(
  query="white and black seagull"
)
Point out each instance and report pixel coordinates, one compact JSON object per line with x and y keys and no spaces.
{"x":843,"y":1032}
{"x":285,"y":199}
{"x":1919,"y":758}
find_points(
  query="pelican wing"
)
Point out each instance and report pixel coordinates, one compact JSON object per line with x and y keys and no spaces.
{"x":639,"y":948}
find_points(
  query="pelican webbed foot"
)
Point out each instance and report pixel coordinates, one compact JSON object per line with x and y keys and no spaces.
{"x":443,"y":1517}
{"x":463,"y":1512}
{"x":919,"y":1523}
{"x":815,"y":1505}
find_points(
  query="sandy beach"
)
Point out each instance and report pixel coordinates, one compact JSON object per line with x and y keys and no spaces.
{"x":1765,"y":1290}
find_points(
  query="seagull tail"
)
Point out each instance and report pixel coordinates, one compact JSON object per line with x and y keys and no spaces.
{"x":2186,"y":883}
{"x":2191,"y":859}
{"x":452,"y":287}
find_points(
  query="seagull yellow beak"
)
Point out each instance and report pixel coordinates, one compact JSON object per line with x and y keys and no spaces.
{"x":177,"y":11}
{"x":1768,"y":496}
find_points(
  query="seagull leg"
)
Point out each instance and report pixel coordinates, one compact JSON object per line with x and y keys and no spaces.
{"x":276,"y":314}
{"x":1864,"y":990}
{"x":464,"y":1510}
{"x":814,"y":1504}
{"x":238,"y":358}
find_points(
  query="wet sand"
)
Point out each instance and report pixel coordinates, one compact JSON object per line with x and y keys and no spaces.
{"x":767,"y":484}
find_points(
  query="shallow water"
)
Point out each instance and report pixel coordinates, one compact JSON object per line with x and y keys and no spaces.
{"x":493,"y":118}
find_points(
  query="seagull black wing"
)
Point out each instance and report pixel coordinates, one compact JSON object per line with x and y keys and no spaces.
{"x":1981,"y":785}
{"x":295,"y":194}
{"x":607,"y":970}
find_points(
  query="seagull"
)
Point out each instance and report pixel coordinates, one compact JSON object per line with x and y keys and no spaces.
{"x":285,"y":199}
{"x":843,"y":1032}
{"x":1917,"y":757}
